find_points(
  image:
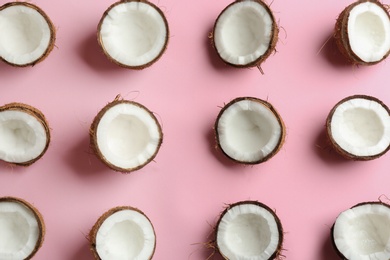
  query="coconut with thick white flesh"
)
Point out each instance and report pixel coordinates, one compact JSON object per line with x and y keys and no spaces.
{"x":363,"y":32}
{"x":245,"y":33}
{"x":27,"y":35}
{"x":359,"y":127}
{"x":133,"y":34}
{"x":22,"y":229}
{"x":24,"y":134}
{"x":249,"y":130}
{"x":363,"y":232}
{"x":249,"y":230}
{"x":123,"y":233}
{"x":126,"y":135}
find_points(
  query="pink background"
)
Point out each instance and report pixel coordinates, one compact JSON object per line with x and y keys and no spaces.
{"x":190,"y":182}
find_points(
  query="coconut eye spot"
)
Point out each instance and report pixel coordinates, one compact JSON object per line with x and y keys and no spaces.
{"x":248,"y":234}
{"x":125,"y":240}
{"x":133,"y":33}
{"x":363,"y":127}
{"x":127,"y":136}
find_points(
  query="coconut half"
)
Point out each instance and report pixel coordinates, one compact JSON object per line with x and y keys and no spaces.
{"x":359,"y":127}
{"x":249,"y":130}
{"x":125,"y":135}
{"x":363,"y":232}
{"x":245,"y":33}
{"x":123,"y":233}
{"x":22,"y":229}
{"x":24,"y":134}
{"x":133,"y":33}
{"x":362,"y":32}
{"x":27,"y":35}
{"x":249,"y":230}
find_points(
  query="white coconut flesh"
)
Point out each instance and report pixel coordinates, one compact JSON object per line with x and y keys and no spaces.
{"x":128,"y":135}
{"x":369,"y":31}
{"x":361,"y":127}
{"x":22,"y":136}
{"x":248,"y":131}
{"x":19,"y":231}
{"x":24,"y":34}
{"x":243,"y":32}
{"x":248,"y":231}
{"x":126,"y":234}
{"x":133,"y":33}
{"x":363,"y":232}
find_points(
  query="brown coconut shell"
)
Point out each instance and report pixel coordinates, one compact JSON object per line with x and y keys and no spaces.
{"x":93,"y":134}
{"x":101,"y":44}
{"x":336,"y":146}
{"x":278,"y":251}
{"x":49,"y":23}
{"x":272,"y":45}
{"x":268,"y":106}
{"x":93,"y":233}
{"x":332,"y":228}
{"x":342,"y":38}
{"x":38,"y":216}
{"x":39,"y":116}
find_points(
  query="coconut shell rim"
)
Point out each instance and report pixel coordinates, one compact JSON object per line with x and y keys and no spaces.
{"x":40,"y":117}
{"x":259,"y":204}
{"x":333,"y":142}
{"x":93,"y":135}
{"x":93,"y":232}
{"x":277,"y":116}
{"x":50,"y":24}
{"x":136,"y":67}
{"x":272,"y":45}
{"x":38,"y":216}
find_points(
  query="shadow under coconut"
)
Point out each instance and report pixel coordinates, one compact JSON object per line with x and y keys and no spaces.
{"x":82,"y":159}
{"x":83,"y":253}
{"x":331,"y":53}
{"x":327,"y":250}
{"x":92,"y":54}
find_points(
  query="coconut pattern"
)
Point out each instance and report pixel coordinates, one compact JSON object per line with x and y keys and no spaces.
{"x":362,"y":232}
{"x":133,"y":34}
{"x":249,"y":230}
{"x":245,"y":33}
{"x":24,"y":134}
{"x":123,"y":233}
{"x":362,"y":32}
{"x":27,"y":34}
{"x":22,"y":229}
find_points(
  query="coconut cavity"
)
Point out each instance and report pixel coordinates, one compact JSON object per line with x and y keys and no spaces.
{"x":27,"y":35}
{"x":249,"y":130}
{"x":359,"y":127}
{"x":363,"y":232}
{"x":22,"y":229}
{"x":363,"y":32}
{"x":133,"y":34}
{"x":245,"y":33}
{"x":24,"y":134}
{"x":123,"y":233}
{"x":125,"y":135}
{"x":249,"y":230}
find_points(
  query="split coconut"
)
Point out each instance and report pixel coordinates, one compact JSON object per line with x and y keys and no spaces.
{"x":22,"y":229}
{"x":363,"y":232}
{"x":362,"y":32}
{"x":359,"y":127}
{"x":249,"y":130}
{"x":24,"y":134}
{"x":245,"y":33}
{"x":125,"y":135}
{"x":123,"y":233}
{"x":27,"y":35}
{"x":133,"y":33}
{"x":249,"y":230}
